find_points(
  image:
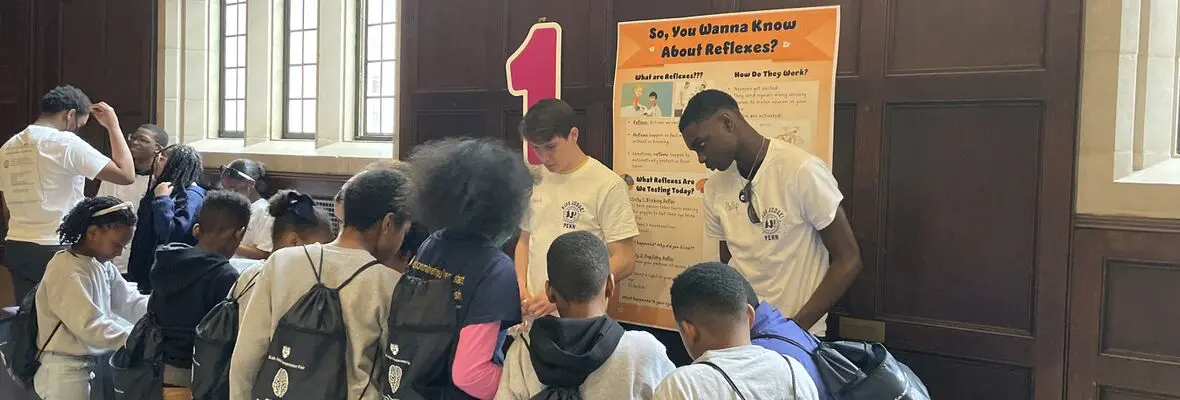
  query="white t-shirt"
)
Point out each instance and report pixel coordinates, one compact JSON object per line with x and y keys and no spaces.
{"x":592,"y":198}
{"x":783,"y":257}
{"x":258,"y":232}
{"x":760,"y":374}
{"x":133,"y":193}
{"x":42,"y":176}
{"x":633,"y":371}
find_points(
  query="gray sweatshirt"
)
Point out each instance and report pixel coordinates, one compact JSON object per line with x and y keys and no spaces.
{"x":96,"y":307}
{"x":759,"y":373}
{"x":638,"y":364}
{"x":283,"y":279}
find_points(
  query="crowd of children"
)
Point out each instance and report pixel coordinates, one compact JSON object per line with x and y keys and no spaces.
{"x":443,"y":216}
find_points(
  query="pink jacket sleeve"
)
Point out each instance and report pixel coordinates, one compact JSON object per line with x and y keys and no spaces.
{"x":473,"y":370}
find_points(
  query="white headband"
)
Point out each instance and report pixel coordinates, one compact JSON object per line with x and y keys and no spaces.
{"x":126,"y":205}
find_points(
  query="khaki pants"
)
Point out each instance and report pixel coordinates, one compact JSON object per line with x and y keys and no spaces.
{"x":176,"y":393}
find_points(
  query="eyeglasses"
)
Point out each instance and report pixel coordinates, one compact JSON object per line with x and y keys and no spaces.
{"x":746,"y":195}
{"x":234,"y":173}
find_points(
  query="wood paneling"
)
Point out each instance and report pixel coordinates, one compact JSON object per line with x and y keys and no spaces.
{"x":981,"y":35}
{"x":937,"y":154}
{"x":1123,"y":320}
{"x":964,"y":379}
{"x":15,"y":55}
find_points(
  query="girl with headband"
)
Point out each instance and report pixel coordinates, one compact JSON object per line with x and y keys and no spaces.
{"x":84,"y":307}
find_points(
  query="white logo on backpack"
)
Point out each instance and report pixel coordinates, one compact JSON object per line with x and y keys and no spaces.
{"x":286,"y":351}
{"x":281,"y":382}
{"x":393,"y":349}
{"x":395,"y":378}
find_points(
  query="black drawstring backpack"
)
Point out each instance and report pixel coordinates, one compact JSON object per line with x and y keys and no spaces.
{"x":137,"y":368}
{"x":19,"y":351}
{"x":423,"y":331}
{"x":307,"y":354}
{"x":855,"y":370}
{"x":213,"y":346}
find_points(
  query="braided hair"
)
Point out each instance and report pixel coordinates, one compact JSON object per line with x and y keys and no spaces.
{"x":183,"y":169}
{"x":73,"y":227}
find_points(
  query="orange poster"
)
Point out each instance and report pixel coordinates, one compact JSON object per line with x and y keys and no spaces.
{"x":780,"y":66}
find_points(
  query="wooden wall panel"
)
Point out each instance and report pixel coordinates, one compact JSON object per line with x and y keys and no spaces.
{"x":981,"y":35}
{"x":1123,"y":320}
{"x":937,"y":155}
{"x":15,"y":55}
{"x":439,"y":25}
{"x":964,"y":379}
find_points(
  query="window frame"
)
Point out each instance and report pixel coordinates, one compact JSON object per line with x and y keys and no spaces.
{"x":362,"y":35}
{"x":222,"y":95}
{"x":285,"y":131}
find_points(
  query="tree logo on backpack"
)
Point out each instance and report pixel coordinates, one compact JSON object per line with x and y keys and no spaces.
{"x":395,"y":378}
{"x":286,"y":351}
{"x":281,"y":382}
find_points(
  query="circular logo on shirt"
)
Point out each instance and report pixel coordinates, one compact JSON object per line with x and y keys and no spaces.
{"x":571,"y":211}
{"x":772,"y":221}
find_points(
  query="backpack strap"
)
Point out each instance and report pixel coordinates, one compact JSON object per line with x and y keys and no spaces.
{"x":249,"y":285}
{"x":726,"y":376}
{"x":794,"y":384}
{"x":376,"y":357}
{"x":766,"y":335}
{"x":51,"y":335}
{"x":318,"y":272}
{"x":358,"y":272}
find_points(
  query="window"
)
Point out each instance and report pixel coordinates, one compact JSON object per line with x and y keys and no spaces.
{"x":233,"y":69}
{"x":377,"y":104}
{"x":300,"y":79}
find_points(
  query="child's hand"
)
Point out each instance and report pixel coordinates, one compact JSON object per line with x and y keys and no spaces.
{"x":539,"y":305}
{"x":163,"y":189}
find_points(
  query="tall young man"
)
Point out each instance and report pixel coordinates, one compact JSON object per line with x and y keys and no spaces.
{"x":42,"y":177}
{"x":145,"y":144}
{"x":775,"y":209}
{"x":575,"y":193}
{"x":584,"y":354}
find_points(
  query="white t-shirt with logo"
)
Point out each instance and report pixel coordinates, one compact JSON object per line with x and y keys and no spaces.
{"x":258,"y":232}
{"x":42,"y":176}
{"x":133,"y":193}
{"x":783,"y":257}
{"x":592,"y":198}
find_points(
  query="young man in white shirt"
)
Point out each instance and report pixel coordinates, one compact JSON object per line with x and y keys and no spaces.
{"x":714,"y":319}
{"x":145,"y":145}
{"x":575,"y":193}
{"x":775,"y":209}
{"x":43,"y":173}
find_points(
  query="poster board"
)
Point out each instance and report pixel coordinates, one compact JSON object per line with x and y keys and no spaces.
{"x":780,"y":66}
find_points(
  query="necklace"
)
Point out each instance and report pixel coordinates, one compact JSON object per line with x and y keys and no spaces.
{"x":744,"y":194}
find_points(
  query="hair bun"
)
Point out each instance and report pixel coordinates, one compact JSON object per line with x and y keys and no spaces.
{"x":291,"y":202}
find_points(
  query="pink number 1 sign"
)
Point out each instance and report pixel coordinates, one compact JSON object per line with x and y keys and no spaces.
{"x":534,"y":70}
